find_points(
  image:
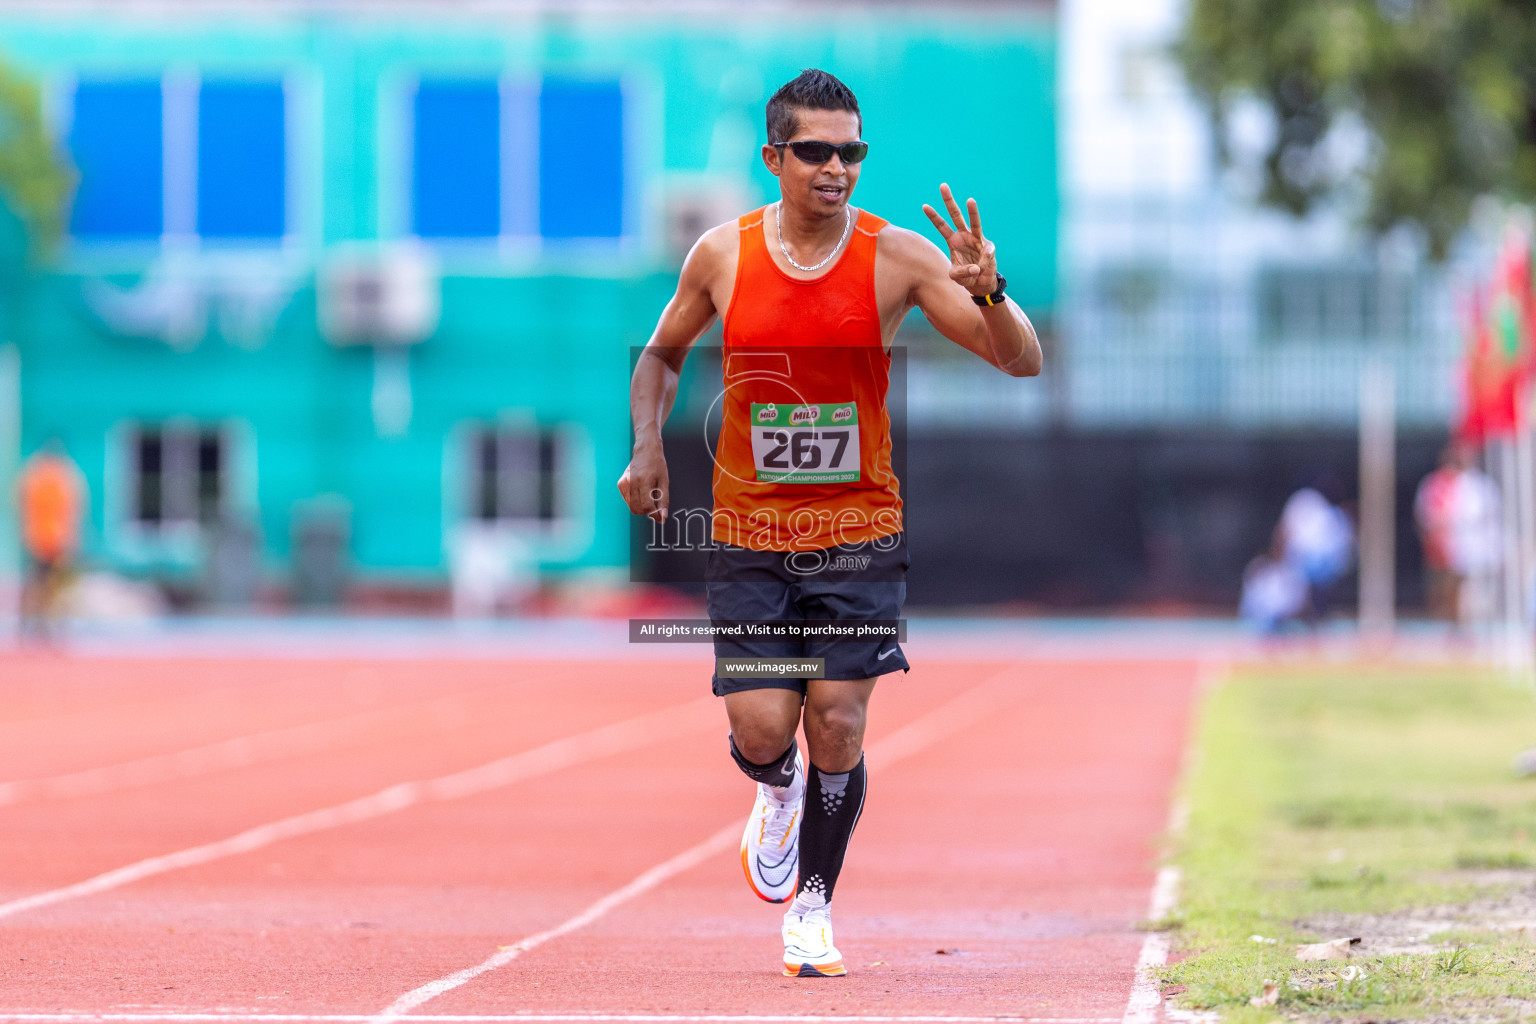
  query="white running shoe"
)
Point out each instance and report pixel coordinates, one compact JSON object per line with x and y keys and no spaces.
{"x":770,"y":846}
{"x":808,"y":948}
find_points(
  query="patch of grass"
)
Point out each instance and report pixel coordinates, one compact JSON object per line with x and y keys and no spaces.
{"x":1361,"y":875}
{"x":1352,"y":791}
{"x":1456,"y":961}
{"x":1170,"y":923}
{"x":1505,"y":860}
{"x":1349,"y":811}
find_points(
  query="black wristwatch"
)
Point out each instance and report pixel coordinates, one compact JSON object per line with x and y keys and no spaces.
{"x":996,"y":297}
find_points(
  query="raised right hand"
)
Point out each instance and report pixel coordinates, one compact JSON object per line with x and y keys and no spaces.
{"x":972,"y":256}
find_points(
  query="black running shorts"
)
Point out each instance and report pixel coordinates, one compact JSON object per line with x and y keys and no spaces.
{"x":848,"y":584}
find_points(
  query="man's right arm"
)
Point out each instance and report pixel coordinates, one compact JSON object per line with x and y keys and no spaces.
{"x":653,"y":388}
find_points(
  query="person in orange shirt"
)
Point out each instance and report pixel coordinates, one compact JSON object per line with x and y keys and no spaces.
{"x":807,"y":525}
{"x":50,"y":496}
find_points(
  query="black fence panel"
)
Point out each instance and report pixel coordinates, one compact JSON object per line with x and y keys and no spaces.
{"x":1070,"y":521}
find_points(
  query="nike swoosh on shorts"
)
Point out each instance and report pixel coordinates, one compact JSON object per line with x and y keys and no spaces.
{"x":887,"y":654}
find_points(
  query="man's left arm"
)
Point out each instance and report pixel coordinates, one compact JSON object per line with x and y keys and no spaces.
{"x":942,"y":288}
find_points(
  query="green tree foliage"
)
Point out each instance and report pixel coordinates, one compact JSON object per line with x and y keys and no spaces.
{"x":1446,"y":90}
{"x":35,"y":183}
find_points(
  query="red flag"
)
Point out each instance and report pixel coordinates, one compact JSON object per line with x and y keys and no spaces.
{"x":1501,"y":348}
{"x":1490,"y":406}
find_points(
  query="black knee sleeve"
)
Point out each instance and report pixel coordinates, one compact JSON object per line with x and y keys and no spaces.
{"x":778,"y":772}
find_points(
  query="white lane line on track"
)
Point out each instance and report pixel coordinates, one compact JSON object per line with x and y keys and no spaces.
{"x":360,"y":1018}
{"x":1146,"y":996}
{"x":717,"y":843}
{"x":945,"y":720}
{"x":236,"y":752}
{"x":630,"y":734}
{"x":1146,"y":1001}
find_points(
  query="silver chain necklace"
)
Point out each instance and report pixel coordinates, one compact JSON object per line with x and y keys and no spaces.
{"x":778,"y":222}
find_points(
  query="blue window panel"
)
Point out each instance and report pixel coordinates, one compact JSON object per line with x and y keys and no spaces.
{"x":242,"y":166}
{"x":581,"y":159}
{"x":456,"y":155}
{"x":115,"y":139}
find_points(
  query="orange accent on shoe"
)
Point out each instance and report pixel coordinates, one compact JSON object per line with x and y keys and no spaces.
{"x":746,"y":869}
{"x":836,"y":970}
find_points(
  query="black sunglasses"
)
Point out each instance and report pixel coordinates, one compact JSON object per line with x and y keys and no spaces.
{"x":812,"y":152}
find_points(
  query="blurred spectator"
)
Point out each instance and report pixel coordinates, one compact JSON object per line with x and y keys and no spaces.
{"x":50,"y":496}
{"x":1316,"y":538}
{"x":1457,"y":513}
{"x":1274,"y":593}
{"x":1431,"y":514}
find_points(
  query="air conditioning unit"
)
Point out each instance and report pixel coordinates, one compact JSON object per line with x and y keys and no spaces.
{"x":693,"y":206}
{"x":379,"y":295}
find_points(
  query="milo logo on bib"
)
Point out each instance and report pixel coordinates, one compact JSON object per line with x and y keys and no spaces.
{"x":805,"y":444}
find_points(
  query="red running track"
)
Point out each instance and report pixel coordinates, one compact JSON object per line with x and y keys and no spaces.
{"x":1007,"y":848}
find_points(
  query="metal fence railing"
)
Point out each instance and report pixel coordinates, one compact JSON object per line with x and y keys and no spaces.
{"x":1121,"y":387}
{"x":1277,"y":351}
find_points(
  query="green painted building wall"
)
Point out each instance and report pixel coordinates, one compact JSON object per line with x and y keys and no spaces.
{"x":541,"y":333}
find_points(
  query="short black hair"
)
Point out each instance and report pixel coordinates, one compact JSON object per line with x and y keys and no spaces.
{"x":812,"y":89}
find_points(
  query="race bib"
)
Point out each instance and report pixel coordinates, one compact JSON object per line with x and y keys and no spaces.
{"x":805,"y":444}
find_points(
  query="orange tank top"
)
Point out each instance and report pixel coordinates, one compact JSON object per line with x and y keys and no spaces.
{"x":50,"y":508}
{"x":803,"y":460}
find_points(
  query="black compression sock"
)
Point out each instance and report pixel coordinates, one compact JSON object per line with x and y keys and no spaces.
{"x":832,"y":805}
{"x":779,"y":772}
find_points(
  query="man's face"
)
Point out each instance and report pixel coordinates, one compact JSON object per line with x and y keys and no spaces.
{"x":817,"y":189}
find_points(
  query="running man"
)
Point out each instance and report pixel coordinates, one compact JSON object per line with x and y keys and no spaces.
{"x":807,"y":521}
{"x":50,"y":496}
